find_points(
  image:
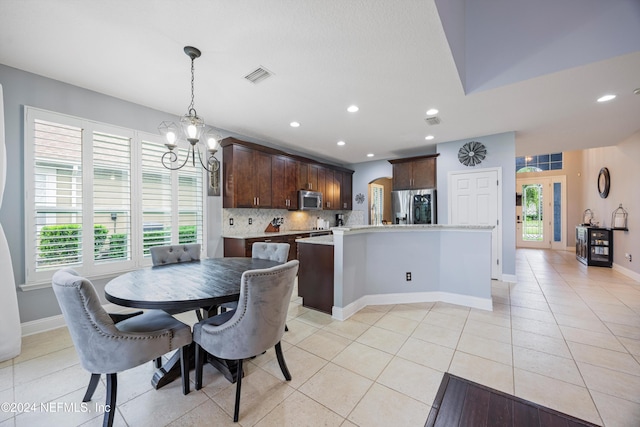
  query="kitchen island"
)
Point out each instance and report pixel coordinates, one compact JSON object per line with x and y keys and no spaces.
{"x":396,"y":264}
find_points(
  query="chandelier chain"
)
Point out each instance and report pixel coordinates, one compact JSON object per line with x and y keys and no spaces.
{"x":191,"y":107}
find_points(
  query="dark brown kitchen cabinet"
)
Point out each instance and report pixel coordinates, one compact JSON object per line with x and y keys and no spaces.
{"x":414,"y":173}
{"x":346,"y":192}
{"x":315,"y":276}
{"x":333,"y":189}
{"x":284,"y":182}
{"x":247,"y":177}
{"x":308,"y":176}
{"x":241,"y":247}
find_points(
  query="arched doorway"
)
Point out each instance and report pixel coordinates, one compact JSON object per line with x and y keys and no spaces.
{"x":380,"y":201}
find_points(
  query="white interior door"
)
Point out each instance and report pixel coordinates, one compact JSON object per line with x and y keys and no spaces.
{"x":475,"y":199}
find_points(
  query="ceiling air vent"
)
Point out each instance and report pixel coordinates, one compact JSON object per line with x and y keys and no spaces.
{"x":258,"y":75}
{"x":435,"y":120}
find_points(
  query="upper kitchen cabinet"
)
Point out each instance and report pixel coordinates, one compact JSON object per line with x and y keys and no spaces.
{"x":308,"y":176}
{"x":247,"y":177}
{"x":284,"y":182}
{"x":414,"y":172}
{"x":346,"y":193}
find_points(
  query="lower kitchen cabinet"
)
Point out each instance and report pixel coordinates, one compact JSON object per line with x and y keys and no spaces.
{"x":315,"y":276}
{"x":240,"y":247}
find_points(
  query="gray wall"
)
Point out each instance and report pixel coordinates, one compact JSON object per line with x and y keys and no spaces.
{"x":501,"y":152}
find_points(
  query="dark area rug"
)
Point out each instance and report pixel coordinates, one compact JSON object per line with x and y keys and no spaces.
{"x":461,"y":402}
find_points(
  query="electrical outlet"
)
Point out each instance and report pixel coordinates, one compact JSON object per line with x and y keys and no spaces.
{"x":628,"y":256}
{"x":230,"y":221}
{"x":408,"y":276}
{"x":250,"y":221}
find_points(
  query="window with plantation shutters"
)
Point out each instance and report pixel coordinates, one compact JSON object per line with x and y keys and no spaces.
{"x":97,"y":197}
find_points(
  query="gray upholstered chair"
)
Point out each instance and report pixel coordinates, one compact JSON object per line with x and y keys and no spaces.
{"x":105,"y":347}
{"x":255,"y":326}
{"x":172,"y":254}
{"x":263,"y":250}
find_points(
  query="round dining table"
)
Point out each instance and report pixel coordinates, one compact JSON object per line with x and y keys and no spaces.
{"x":202,"y":284}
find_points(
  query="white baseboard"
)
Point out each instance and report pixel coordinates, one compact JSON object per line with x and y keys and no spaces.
{"x":343,"y":313}
{"x":629,"y":273}
{"x":55,"y":322}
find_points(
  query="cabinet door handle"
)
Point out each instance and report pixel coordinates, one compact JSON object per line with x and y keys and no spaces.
{"x":258,"y":201}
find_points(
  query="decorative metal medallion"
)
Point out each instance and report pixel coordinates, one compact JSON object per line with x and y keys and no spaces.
{"x":472,"y":153}
{"x":360,"y":198}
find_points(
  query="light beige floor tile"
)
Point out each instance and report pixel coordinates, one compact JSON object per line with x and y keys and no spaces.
{"x":382,"y":339}
{"x":555,"y":394}
{"x":483,"y":371}
{"x":615,"y":360}
{"x":346,"y":423}
{"x":6,"y":363}
{"x":531,"y":314}
{"x":493,"y":317}
{"x":596,"y":339}
{"x":315,"y":318}
{"x":301,"y":364}
{"x":526,"y":302}
{"x":450,"y":309}
{"x":40,"y":366}
{"x":298,"y":331}
{"x":205,"y":414}
{"x":483,"y":347}
{"x":53,"y":386}
{"x":615,"y":383}
{"x":363,"y":360}
{"x":6,"y":396}
{"x":6,"y":378}
{"x":434,"y":334}
{"x":367,"y":315}
{"x":626,"y":331}
{"x":382,"y":406}
{"x":296,"y":310}
{"x":299,"y":410}
{"x":488,"y":330}
{"x":411,"y":379}
{"x":427,"y":354}
{"x":324,"y":344}
{"x":409,"y":311}
{"x":632,"y":346}
{"x":590,"y":324}
{"x":348,"y":329}
{"x":541,"y":343}
{"x":160,"y":407}
{"x":445,"y":320}
{"x":536,"y":326}
{"x":260,"y":393}
{"x":337,"y":388}
{"x":547,"y":364}
{"x":44,"y":343}
{"x":616,"y":412}
{"x":398,"y":324}
{"x":383,"y":308}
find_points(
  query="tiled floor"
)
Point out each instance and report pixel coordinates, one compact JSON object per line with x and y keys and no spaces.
{"x":565,"y":336}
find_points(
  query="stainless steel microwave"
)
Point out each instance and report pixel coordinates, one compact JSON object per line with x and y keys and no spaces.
{"x":309,"y":200}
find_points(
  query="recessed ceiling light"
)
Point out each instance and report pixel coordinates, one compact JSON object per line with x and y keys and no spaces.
{"x":429,"y":137}
{"x":294,"y":124}
{"x":432,"y":112}
{"x":352,"y":108}
{"x":606,"y":98}
{"x":370,"y":155}
{"x":341,"y":143}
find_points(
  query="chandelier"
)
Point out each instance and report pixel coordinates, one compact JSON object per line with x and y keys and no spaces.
{"x":193,"y":129}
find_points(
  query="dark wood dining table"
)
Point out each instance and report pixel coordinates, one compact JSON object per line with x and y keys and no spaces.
{"x":203,"y":284}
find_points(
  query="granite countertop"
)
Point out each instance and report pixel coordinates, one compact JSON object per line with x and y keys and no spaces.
{"x":317,"y":240}
{"x":259,"y":235}
{"x":411,"y":227}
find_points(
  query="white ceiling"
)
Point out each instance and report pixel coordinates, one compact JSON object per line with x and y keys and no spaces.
{"x":391,"y":58}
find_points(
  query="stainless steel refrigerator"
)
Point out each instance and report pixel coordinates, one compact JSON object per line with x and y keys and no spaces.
{"x":414,"y":206}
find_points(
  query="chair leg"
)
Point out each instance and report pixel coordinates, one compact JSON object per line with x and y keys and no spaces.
{"x":93,"y":383}
{"x":184,"y":368}
{"x":199,"y":362}
{"x":158,"y":362}
{"x":110,"y":405}
{"x":236,"y":411}
{"x":286,"y":328}
{"x":281,"y":362}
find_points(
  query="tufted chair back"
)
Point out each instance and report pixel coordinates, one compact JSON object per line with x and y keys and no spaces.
{"x":271,"y":251}
{"x":172,"y":254}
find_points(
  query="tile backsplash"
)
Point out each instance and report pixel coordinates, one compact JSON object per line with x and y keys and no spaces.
{"x":293,"y":220}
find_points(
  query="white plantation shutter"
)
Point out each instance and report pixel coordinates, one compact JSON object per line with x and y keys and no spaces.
{"x":111,"y":197}
{"x":56,"y":225}
{"x":97,"y":197}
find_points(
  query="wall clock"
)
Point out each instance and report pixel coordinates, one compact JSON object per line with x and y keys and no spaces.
{"x":472,"y":153}
{"x":604,"y":183}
